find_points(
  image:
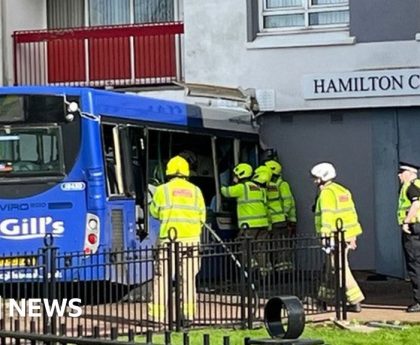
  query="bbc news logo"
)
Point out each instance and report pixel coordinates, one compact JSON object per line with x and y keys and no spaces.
{"x":35,"y":307}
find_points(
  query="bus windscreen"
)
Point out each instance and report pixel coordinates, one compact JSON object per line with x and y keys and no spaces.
{"x":31,"y":151}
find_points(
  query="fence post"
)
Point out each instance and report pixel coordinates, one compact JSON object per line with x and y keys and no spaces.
{"x":246,"y":262}
{"x":49,"y":268}
{"x":46,"y":253}
{"x":243,"y":246}
{"x":343,"y":249}
{"x":178,"y":282}
{"x":337,"y":280}
{"x":170,"y":286}
{"x":53,"y":287}
{"x":249,"y":281}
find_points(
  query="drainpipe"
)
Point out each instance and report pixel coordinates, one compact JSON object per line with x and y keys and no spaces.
{"x":4,"y":48}
{"x":2,"y":27}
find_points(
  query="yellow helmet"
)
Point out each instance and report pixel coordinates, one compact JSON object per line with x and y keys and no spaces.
{"x":243,"y":170}
{"x":177,"y":166}
{"x":262,"y":174}
{"x":274,"y":166}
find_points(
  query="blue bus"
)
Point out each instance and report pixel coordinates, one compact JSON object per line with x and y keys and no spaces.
{"x":81,"y":164}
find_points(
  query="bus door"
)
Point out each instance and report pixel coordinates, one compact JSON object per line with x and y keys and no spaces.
{"x":125,"y":148}
{"x":125,"y":156}
{"x":227,"y":153}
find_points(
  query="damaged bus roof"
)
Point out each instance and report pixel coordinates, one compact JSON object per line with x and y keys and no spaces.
{"x":147,"y":109}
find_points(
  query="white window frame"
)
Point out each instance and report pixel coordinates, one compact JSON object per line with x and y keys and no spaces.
{"x":306,"y":10}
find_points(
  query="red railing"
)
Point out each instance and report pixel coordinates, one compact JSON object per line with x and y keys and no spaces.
{"x":120,"y":55}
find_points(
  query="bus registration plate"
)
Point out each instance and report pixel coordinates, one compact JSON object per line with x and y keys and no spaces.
{"x":17,"y":262}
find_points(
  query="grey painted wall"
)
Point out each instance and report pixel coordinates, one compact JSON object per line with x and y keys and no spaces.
{"x":343,"y":138}
{"x":384,"y":20}
{"x":365,"y":146}
{"x":389,"y":256}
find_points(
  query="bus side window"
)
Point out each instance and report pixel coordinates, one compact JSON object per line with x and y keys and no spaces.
{"x":109,"y":159}
{"x":110,"y":170}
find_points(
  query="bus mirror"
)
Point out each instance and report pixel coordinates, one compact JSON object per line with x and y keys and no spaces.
{"x":72,"y":107}
{"x":69,"y":117}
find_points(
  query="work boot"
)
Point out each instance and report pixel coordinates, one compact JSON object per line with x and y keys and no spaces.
{"x":354,"y":308}
{"x":186,"y":324}
{"x":321,"y":306}
{"x":414,"y":308}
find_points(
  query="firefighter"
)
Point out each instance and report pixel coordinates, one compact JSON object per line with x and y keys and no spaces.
{"x":409,"y":220}
{"x":279,"y":226}
{"x":262,"y":177}
{"x":333,"y":202}
{"x":180,"y":208}
{"x":251,"y":208}
{"x":286,"y":195}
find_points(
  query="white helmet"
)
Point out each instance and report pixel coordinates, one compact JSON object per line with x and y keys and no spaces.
{"x":324,"y":171}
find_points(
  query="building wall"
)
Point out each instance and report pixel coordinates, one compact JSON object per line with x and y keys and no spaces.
{"x":19,"y":15}
{"x":1,"y":42}
{"x":384,"y":20}
{"x":304,"y":139}
{"x":218,"y":52}
{"x":364,"y":137}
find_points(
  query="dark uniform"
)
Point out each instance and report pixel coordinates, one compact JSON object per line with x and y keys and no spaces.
{"x":409,"y":193}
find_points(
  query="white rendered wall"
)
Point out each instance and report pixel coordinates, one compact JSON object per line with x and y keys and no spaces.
{"x":217,"y":52}
{"x":19,"y":15}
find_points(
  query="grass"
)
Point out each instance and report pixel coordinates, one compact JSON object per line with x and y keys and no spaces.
{"x":329,"y":334}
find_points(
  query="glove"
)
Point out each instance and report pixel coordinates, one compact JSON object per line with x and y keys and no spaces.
{"x":406,"y":228}
{"x":328,"y":244}
{"x":327,"y":250}
{"x":291,"y":227}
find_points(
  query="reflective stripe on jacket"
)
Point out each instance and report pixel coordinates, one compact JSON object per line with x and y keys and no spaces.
{"x":287,"y":199}
{"x":274,"y":204}
{"x":179,"y":204}
{"x":335,"y":201}
{"x":251,"y":203}
{"x":404,"y":203}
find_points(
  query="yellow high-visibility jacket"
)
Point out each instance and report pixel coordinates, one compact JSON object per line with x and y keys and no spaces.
{"x":287,"y":199}
{"x":335,"y":201}
{"x":275,"y":204}
{"x":251,"y":203}
{"x":179,"y":204}
{"x":404,"y":203}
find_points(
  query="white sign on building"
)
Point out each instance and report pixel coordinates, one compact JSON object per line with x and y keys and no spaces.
{"x":373,"y":83}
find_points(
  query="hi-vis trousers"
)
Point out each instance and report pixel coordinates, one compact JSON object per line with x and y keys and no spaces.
{"x":189,"y":265}
{"x":327,"y":291}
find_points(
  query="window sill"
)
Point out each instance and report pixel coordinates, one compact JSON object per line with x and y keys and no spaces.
{"x":301,"y":39}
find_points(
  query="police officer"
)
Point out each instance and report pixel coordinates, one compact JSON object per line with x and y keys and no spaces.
{"x":409,"y":220}
{"x":251,"y":207}
{"x":286,"y":197}
{"x":262,"y":177}
{"x":333,"y":202}
{"x":179,"y":205}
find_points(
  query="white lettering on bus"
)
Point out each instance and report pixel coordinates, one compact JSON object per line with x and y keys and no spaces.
{"x":27,"y":228}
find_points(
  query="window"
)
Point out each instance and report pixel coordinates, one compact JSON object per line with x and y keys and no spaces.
{"x":65,"y":13}
{"x":286,"y":15}
{"x":153,"y":11}
{"x":109,"y":12}
{"x":30,"y":151}
{"x":77,"y":13}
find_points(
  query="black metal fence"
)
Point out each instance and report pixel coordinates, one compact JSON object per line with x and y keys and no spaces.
{"x":117,"y":291}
